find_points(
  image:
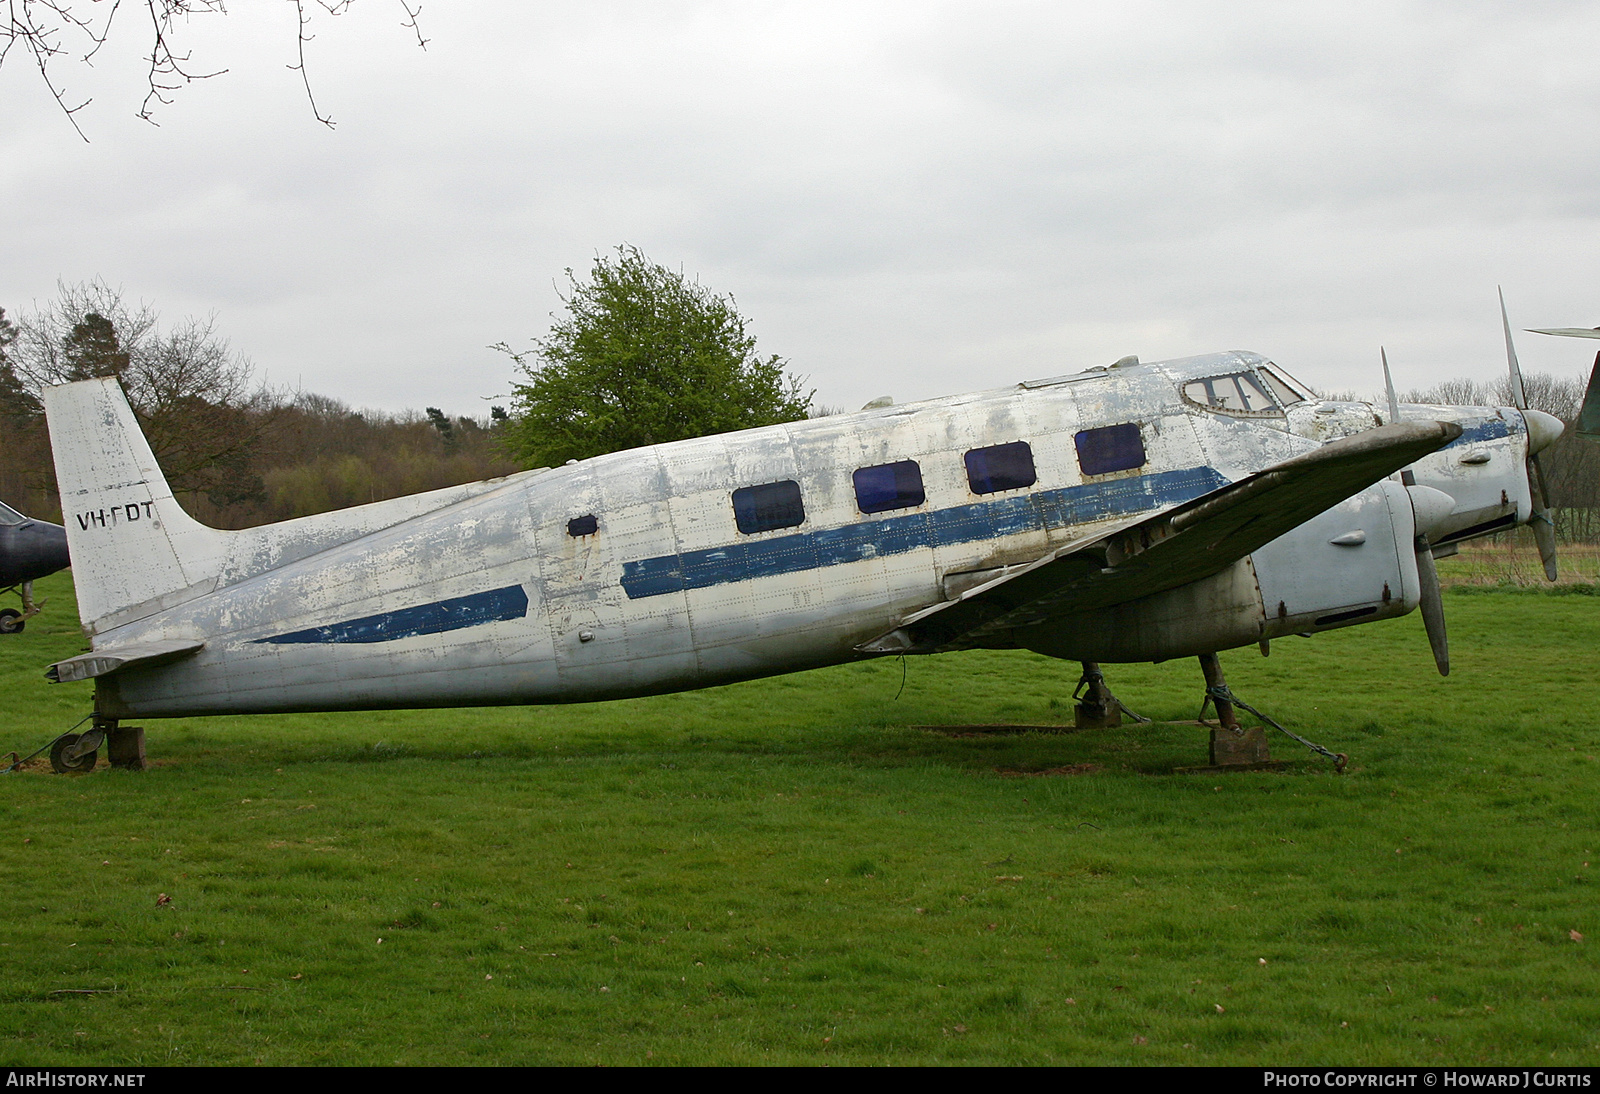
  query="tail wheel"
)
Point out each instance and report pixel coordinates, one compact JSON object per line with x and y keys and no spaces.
{"x":68,"y":765}
{"x":11,"y":621}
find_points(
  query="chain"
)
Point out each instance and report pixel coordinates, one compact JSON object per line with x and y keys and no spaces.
{"x":1222,"y":694}
{"x":15,"y":763}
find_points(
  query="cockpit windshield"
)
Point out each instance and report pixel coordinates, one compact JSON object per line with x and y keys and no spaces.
{"x":1287,"y":389}
{"x":1239,"y":393}
{"x":1252,"y":393}
{"x":9,"y":515}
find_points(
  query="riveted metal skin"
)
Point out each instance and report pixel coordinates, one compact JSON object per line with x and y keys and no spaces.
{"x":486,"y":593}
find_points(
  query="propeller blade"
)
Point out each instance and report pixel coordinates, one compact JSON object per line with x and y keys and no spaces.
{"x":1406,"y":476}
{"x":1544,"y":529}
{"x":1519,"y":396}
{"x":1430,"y":508}
{"x":1388,"y":383}
{"x":1544,"y":534}
{"x":1432,"y":606}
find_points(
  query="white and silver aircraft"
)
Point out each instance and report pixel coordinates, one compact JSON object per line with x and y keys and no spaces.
{"x":1136,"y":512}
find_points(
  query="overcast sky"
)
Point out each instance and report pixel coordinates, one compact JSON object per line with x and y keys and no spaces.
{"x":906,"y":199}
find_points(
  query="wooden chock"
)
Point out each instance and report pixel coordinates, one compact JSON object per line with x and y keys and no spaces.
{"x":1231,"y":745}
{"x":125,"y":747}
{"x":1239,"y":747}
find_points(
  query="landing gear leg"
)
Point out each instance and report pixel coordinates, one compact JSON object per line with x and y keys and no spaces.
{"x":29,"y":608}
{"x":75,"y":753}
{"x":1097,"y":708}
{"x":1230,"y":744}
{"x":13,"y":621}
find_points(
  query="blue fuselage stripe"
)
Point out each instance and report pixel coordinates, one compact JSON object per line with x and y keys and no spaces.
{"x":1477,"y":431}
{"x":985,"y":520}
{"x":748,"y":561}
{"x":436,"y":618}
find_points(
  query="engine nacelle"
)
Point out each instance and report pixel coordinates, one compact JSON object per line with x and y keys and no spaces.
{"x":1354,"y":563}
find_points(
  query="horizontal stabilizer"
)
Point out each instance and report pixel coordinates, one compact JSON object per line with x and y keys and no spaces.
{"x":107,"y":661}
{"x":1173,"y":548}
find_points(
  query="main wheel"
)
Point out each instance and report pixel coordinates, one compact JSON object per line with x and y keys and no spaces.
{"x":11,"y":621}
{"x":64,"y":766}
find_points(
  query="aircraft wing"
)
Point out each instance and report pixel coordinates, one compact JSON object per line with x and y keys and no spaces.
{"x":1172,"y":548}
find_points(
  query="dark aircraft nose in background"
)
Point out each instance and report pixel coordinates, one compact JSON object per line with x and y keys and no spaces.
{"x":30,"y":549}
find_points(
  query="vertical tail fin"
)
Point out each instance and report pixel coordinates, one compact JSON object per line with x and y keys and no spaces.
{"x":131,"y":544}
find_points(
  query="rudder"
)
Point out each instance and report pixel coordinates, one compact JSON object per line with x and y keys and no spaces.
{"x":132,"y":545}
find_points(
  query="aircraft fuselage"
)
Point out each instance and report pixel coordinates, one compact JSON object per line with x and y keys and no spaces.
{"x":785,"y":548}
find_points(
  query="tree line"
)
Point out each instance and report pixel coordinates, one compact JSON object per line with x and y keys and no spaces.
{"x":235,"y":452}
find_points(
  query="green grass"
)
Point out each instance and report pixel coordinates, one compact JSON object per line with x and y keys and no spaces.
{"x":785,"y":872}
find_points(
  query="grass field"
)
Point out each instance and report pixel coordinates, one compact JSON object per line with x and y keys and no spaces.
{"x":787,"y":872}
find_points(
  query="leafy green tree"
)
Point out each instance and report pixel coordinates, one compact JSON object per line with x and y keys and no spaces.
{"x":643,"y":356}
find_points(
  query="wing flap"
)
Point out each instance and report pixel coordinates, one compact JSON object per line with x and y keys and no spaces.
{"x":1172,"y":548}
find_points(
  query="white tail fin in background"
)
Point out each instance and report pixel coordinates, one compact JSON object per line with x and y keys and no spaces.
{"x":131,"y":544}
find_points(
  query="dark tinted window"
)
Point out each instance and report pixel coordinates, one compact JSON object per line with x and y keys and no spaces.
{"x":771,"y":505}
{"x":889,"y":486}
{"x":583,"y":526}
{"x":1000,"y":467}
{"x":1112,"y":448}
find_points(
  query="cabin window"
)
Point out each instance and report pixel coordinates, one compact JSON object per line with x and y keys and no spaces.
{"x":9,"y":515}
{"x":583,"y":526}
{"x":768,"y":506}
{"x":889,"y":486}
{"x":1001,"y":467}
{"x":1110,"y":448}
{"x":1241,"y":393}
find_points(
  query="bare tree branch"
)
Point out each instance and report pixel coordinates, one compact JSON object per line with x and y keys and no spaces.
{"x":163,"y":63}
{"x":304,"y":20}
{"x":25,"y":24}
{"x":48,"y":30}
{"x":411,"y":23}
